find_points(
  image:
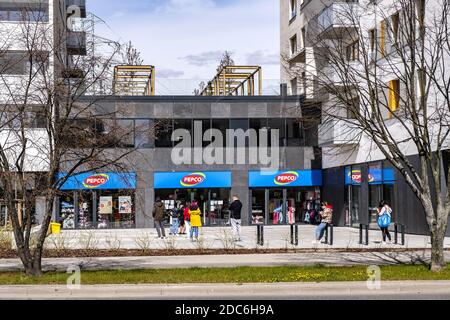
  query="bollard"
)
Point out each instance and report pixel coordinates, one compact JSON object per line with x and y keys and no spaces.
{"x":403,"y":234}
{"x":329,"y":234}
{"x":361,"y":228}
{"x":367,"y":234}
{"x":360,"y":233}
{"x":260,"y":235}
{"x":294,"y":234}
{"x":402,"y":230}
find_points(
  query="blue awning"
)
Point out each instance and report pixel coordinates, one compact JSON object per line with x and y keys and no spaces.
{"x":99,"y":181}
{"x":192,"y":180}
{"x":297,"y":178}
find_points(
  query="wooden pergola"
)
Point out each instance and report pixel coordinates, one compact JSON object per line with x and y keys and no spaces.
{"x":235,"y":80}
{"x":134,"y":80}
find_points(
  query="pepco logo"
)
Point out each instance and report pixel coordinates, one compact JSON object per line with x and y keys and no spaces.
{"x":192,"y":180}
{"x":356,"y":176}
{"x":286,"y":178}
{"x":96,"y":181}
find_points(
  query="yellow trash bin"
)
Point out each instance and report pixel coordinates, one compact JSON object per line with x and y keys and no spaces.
{"x":56,"y":228}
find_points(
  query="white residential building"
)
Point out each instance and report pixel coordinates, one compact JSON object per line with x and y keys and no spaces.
{"x":368,"y":33}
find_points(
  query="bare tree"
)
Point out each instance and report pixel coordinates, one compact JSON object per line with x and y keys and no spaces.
{"x":48,"y":132}
{"x":386,"y":84}
{"x":227,"y":60}
{"x":129,"y":55}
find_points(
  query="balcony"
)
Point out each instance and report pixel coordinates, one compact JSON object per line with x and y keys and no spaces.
{"x":76,"y":43}
{"x":342,"y":76}
{"x":337,"y":19}
{"x":337,"y":132}
{"x":298,"y":57}
{"x":77,"y":7}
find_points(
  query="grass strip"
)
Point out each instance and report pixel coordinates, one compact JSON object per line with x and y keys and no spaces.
{"x":230,"y":275}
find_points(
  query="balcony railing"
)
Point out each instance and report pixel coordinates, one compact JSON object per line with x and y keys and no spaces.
{"x":76,"y":42}
{"x":337,"y":17}
{"x":335,"y":132}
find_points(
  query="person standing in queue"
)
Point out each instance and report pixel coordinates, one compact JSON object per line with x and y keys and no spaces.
{"x":196,"y":220}
{"x":187,"y":218}
{"x":235,"y":218}
{"x":159,"y":213}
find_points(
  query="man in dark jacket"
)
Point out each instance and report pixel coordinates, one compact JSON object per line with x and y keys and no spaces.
{"x":159,"y":212}
{"x":235,"y":218}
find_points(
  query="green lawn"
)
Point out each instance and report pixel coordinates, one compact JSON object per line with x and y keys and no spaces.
{"x":231,"y":275}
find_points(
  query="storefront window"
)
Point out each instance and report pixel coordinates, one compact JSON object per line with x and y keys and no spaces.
{"x":115,"y":209}
{"x":85,"y":218}
{"x":276,"y":209}
{"x":353,"y":179}
{"x":213,"y":203}
{"x":258,"y":206}
{"x":98,"y":200}
{"x":67,"y":212}
{"x":375,"y":179}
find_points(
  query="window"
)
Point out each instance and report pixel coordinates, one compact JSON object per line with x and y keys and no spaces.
{"x":293,"y":45}
{"x":19,"y":62}
{"x":125,"y":133}
{"x":353,"y":108}
{"x":372,"y":38}
{"x":182,"y":124}
{"x":294,"y":89}
{"x":352,"y":51}
{"x":15,"y":12}
{"x":294,"y":133}
{"x":394,"y":96}
{"x":395,"y":21}
{"x":144,"y":136}
{"x":293,"y":9}
{"x":303,"y":39}
{"x":280,"y":125}
{"x":163,"y":133}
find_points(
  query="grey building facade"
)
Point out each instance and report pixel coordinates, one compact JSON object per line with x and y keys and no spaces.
{"x":152,"y":160}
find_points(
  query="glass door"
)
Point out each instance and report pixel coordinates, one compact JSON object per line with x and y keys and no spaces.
{"x":277,"y":212}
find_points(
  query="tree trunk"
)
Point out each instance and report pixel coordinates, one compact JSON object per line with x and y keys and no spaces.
{"x":437,"y":249}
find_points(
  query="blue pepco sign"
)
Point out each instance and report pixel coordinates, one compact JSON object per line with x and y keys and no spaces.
{"x":192,"y":180}
{"x":99,"y":181}
{"x":299,"y":178}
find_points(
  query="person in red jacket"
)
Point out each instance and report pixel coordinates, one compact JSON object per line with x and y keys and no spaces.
{"x":187,"y":218}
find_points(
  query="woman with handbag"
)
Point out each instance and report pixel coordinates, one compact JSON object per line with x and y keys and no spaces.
{"x":384,"y":220}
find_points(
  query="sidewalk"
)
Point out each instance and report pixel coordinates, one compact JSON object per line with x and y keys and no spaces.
{"x":275,"y":237}
{"x":278,"y":291}
{"x":228,"y":261}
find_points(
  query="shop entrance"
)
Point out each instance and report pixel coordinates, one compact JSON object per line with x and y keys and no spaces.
{"x":213,"y":203}
{"x":281,"y":206}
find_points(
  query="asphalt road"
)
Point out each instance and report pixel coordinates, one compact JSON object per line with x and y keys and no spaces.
{"x":402,"y":290}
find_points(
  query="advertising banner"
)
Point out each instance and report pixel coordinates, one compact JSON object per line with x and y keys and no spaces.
{"x":125,"y":205}
{"x":105,"y":205}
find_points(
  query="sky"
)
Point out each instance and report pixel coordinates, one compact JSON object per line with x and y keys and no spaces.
{"x":185,"y":39}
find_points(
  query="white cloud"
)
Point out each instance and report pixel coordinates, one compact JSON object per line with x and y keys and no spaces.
{"x":198,"y":30}
{"x":261,"y":57}
{"x":169,"y":73}
{"x":204,"y":58}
